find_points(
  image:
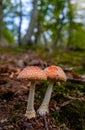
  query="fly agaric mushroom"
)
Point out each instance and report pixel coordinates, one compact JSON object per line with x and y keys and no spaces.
{"x":54,"y":73}
{"x":33,"y":74}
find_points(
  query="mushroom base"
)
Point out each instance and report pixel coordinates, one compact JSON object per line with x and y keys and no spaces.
{"x":43,"y":110}
{"x":30,"y":114}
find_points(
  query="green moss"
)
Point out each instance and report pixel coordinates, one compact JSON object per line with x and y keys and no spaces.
{"x":15,"y":118}
{"x":73,"y":115}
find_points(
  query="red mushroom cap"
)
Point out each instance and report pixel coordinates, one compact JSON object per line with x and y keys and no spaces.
{"x":55,"y":73}
{"x":32,"y":73}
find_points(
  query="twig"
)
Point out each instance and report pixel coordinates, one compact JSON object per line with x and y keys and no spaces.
{"x":74,"y":98}
{"x":65,"y":103}
{"x":71,"y":99}
{"x":68,"y":69}
{"x":45,"y":122}
{"x":80,"y":81}
{"x":63,"y":126}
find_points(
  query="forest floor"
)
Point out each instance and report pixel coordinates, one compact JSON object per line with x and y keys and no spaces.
{"x":67,"y":105}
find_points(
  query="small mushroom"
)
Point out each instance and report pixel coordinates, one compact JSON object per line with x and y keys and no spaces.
{"x":54,"y":73}
{"x":33,"y":74}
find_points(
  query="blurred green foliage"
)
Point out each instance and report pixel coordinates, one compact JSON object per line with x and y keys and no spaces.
{"x":60,"y":21}
{"x":8,"y":35}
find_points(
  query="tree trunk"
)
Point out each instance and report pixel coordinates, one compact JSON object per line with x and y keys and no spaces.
{"x":58,"y":36}
{"x":38,"y":33}
{"x":27,"y":38}
{"x":69,"y":36}
{"x":70,"y":28}
{"x":20,"y":23}
{"x":1,"y":21}
{"x":46,"y":43}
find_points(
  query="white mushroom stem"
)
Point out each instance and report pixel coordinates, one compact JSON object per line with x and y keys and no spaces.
{"x":30,"y":112}
{"x":43,"y":109}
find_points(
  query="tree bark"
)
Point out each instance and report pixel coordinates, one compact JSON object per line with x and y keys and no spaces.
{"x":46,"y":43}
{"x":27,"y":38}
{"x":58,"y":36}
{"x":70,"y":28}
{"x":1,"y":20}
{"x":20,"y":23}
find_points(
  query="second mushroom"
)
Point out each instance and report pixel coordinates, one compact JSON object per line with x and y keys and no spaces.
{"x":54,"y":74}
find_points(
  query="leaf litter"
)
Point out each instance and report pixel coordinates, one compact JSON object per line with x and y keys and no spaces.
{"x":13,"y":95}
